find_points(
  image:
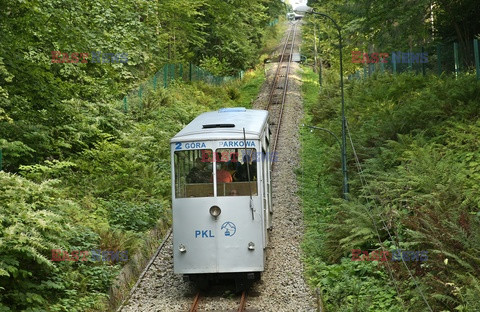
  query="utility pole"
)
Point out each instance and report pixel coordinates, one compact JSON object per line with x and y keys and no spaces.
{"x":344,"y":120}
{"x":315,"y":48}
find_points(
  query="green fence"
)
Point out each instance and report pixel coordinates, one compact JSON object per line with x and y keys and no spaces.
{"x":167,"y":75}
{"x":442,"y":58}
{"x":273,"y":23}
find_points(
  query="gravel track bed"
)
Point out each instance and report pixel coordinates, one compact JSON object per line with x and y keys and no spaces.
{"x":282,"y":287}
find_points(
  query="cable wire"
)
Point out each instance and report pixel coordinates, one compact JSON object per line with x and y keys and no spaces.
{"x":363,"y":182}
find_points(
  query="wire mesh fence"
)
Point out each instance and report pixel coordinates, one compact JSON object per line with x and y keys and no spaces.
{"x":451,"y":58}
{"x":140,"y":98}
{"x":273,"y":22}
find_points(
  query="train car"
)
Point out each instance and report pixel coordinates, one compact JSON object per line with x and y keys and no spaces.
{"x":221,"y":195}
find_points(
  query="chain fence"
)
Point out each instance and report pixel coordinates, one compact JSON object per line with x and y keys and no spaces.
{"x":439,"y":59}
{"x":166,"y":76}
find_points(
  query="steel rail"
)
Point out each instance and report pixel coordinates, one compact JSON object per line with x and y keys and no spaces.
{"x":241,"y":306}
{"x":277,"y":72}
{"x":285,"y":89}
{"x":195,"y":303}
{"x":272,"y":91}
{"x":243,"y":301}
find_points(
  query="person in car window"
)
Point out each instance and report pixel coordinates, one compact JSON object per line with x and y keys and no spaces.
{"x":199,"y":173}
{"x":223,"y":175}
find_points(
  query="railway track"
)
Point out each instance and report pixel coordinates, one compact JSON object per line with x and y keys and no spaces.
{"x":241,"y":306}
{"x":279,"y":87}
{"x":275,"y":105}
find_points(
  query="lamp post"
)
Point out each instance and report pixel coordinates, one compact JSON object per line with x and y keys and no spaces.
{"x":326,"y":130}
{"x":344,"y":139}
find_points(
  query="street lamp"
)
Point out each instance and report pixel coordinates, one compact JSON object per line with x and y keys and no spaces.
{"x":326,"y":130}
{"x":344,"y":121}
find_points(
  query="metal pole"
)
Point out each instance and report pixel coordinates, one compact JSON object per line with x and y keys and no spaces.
{"x":344,"y":138}
{"x":326,"y":130}
{"x":344,"y":122}
{"x":477,"y":58}
{"x":315,"y":49}
{"x":140,"y":95}
{"x":317,"y":61}
{"x":423,"y":63}
{"x":165,"y":75}
{"x":410,"y":61}
{"x":190,"y":71}
{"x":455,"y":54}
{"x":320,"y":69}
{"x":317,"y":292}
{"x":394,"y":63}
{"x":439,"y":61}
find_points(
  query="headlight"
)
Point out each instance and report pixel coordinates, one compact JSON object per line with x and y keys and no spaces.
{"x":182,"y":248}
{"x":215,"y":211}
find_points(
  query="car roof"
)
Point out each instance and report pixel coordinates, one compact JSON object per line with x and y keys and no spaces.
{"x":226,"y":123}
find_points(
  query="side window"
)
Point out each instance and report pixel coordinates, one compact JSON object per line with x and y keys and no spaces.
{"x":193,"y":174}
{"x":234,"y":168}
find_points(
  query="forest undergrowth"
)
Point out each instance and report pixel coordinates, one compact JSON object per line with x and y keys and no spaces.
{"x":417,"y":143}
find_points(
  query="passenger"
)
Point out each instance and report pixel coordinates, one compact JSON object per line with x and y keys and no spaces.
{"x":243,"y":173}
{"x":233,"y":166}
{"x":199,"y":173}
{"x":223,"y":175}
{"x":233,"y":192}
{"x":233,"y":162}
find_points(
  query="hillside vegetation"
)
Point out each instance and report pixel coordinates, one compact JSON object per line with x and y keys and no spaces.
{"x":413,"y":159}
{"x":417,"y":142}
{"x":79,"y":173}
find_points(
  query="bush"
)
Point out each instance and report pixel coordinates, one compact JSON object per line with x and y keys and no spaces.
{"x":416,"y":140}
{"x":137,"y":217}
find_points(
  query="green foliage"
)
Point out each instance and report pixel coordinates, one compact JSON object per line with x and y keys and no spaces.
{"x":82,"y":173}
{"x":235,"y":31}
{"x":353,"y":286}
{"x":133,"y":217}
{"x":55,"y":110}
{"x":344,"y":285}
{"x":245,"y":93}
{"x":386,"y":26}
{"x":34,"y":222}
{"x":417,"y":143}
{"x":50,"y":170}
{"x":31,"y":225}
{"x":106,"y":195}
{"x":233,"y":93}
{"x":214,"y":66}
